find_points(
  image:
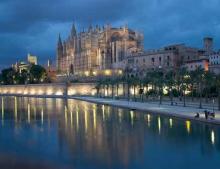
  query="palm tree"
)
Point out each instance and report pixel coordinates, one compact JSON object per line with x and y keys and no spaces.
{"x":199,"y":80}
{"x":98,"y":87}
{"x":146,"y":81}
{"x":170,"y":82}
{"x":182,"y":81}
{"x":158,"y":81}
{"x":192,"y":75}
{"x":134,"y":83}
{"x":112,"y":81}
{"x":208,"y":82}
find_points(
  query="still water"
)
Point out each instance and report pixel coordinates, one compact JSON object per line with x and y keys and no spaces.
{"x":55,"y":133}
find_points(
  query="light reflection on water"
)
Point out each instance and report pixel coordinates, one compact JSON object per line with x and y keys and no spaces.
{"x":56,"y":133}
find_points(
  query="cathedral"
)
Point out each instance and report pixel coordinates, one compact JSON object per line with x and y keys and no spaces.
{"x":96,"y":49}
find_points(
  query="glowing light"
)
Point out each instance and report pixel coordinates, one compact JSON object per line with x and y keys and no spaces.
{"x":29,"y":113}
{"x":188,"y":126}
{"x":86,"y":120}
{"x":94,"y":73}
{"x":77,"y":118}
{"x":19,"y":92}
{"x":72,"y":92}
{"x":42,"y":115}
{"x":213,"y":137}
{"x":171,"y":123}
{"x":148,"y":120}
{"x":132,"y":117}
{"x":16,"y":109}
{"x":3,"y":112}
{"x":120,"y":72}
{"x":71,"y":118}
{"x":93,"y":92}
{"x":65,"y":114}
{"x":59,"y":93}
{"x":103,"y":112}
{"x":108,"y":72}
{"x":87,"y":73}
{"x":33,"y":91}
{"x":40,"y":92}
{"x":49,"y":91}
{"x":159,"y":125}
{"x":120,"y":115}
{"x":26,"y":92}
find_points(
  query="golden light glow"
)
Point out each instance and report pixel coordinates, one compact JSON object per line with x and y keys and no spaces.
{"x":42,"y":115}
{"x":94,"y":118}
{"x":103,"y":112}
{"x":213,"y":137}
{"x":26,"y":92}
{"x":40,"y":92}
{"x":120,"y":72}
{"x":93,"y":92}
{"x":108,"y":72}
{"x":33,"y":91}
{"x":59,"y":93}
{"x":120,"y":115}
{"x":29,"y":113}
{"x":71,"y":119}
{"x":16,"y":109}
{"x":132,"y":117}
{"x":159,"y":124}
{"x":65,"y":114}
{"x":94,"y":73}
{"x":171,"y":122}
{"x":72,"y":92}
{"x":188,"y":126}
{"x":86,"y":120}
{"x":86,"y":73}
{"x":50,"y":91}
{"x":148,"y":120}
{"x":3,"y":112}
{"x":77,"y":118}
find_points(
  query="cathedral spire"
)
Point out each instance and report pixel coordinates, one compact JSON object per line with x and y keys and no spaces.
{"x":73,"y":30}
{"x":59,"y":41}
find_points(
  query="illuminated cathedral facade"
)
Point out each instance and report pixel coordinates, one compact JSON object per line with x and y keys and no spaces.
{"x":96,"y":49}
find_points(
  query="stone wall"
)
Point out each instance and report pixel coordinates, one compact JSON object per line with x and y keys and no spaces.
{"x":54,"y":89}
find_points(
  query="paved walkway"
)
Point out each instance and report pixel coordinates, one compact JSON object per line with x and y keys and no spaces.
{"x":174,"y":111}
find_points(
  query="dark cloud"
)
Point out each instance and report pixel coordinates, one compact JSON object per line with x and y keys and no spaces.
{"x":33,"y":25}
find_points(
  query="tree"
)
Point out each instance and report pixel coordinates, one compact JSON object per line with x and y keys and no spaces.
{"x":199,"y":81}
{"x":37,"y":74}
{"x":192,"y":82}
{"x":134,"y":81}
{"x":217,"y":84}
{"x":170,"y":83}
{"x":8,"y":76}
{"x":208,"y":83}
{"x":183,"y":81}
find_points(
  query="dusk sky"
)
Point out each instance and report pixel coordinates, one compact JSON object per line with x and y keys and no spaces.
{"x":32,"y":26}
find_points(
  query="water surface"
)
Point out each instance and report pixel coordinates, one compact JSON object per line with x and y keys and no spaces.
{"x":56,"y":133}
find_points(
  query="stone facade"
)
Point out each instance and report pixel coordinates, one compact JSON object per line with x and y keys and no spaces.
{"x":167,"y":58}
{"x":96,"y":49}
{"x":192,"y":65}
{"x":214,"y":63}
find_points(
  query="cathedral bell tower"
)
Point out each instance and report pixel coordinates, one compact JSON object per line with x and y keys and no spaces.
{"x":59,"y":53}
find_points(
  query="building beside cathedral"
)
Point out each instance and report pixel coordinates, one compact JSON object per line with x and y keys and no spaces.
{"x":97,"y":49}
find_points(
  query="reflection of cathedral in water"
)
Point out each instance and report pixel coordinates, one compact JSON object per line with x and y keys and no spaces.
{"x":96,"y":49}
{"x":103,"y":134}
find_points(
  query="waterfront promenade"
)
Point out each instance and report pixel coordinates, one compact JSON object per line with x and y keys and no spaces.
{"x":173,"y":111}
